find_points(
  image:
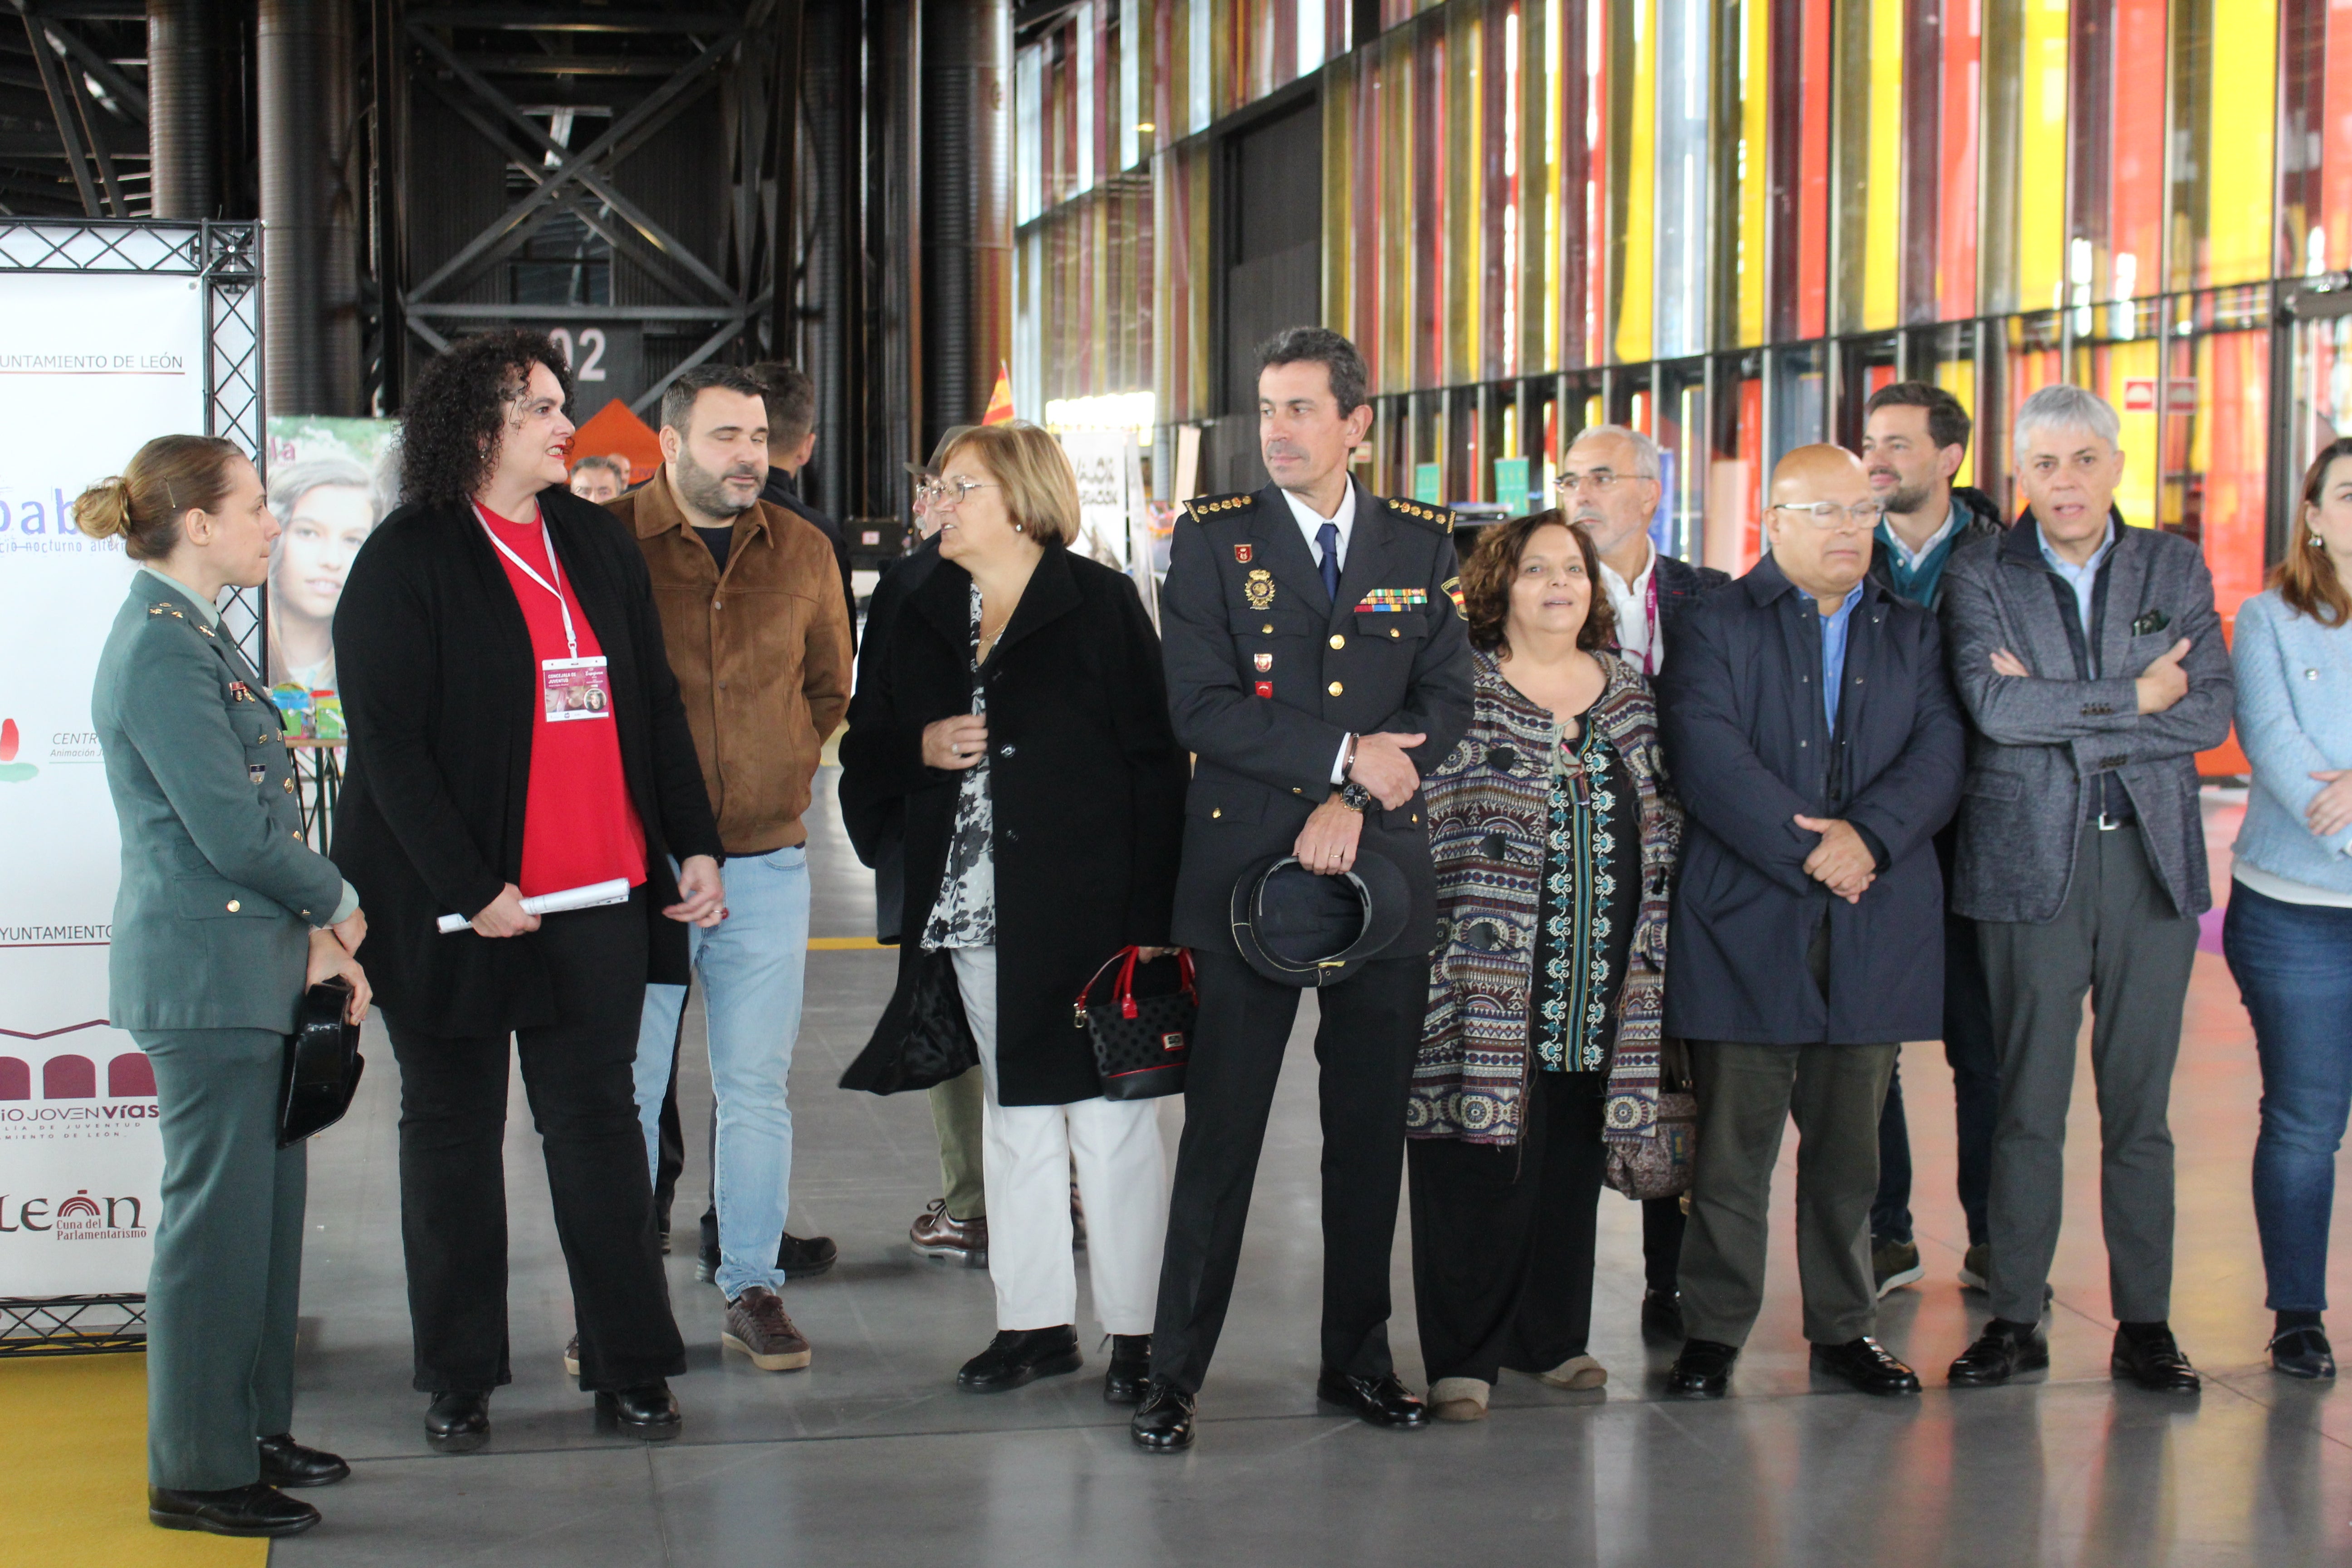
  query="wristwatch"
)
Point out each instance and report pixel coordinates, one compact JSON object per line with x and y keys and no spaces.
{"x":1355,"y":796}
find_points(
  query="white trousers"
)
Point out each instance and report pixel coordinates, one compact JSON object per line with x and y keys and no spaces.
{"x":1026,"y":1153}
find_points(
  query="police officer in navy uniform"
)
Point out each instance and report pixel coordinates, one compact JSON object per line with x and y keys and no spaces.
{"x":1317,"y":663}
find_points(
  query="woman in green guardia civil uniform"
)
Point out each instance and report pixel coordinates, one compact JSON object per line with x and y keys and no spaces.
{"x":223,"y":918}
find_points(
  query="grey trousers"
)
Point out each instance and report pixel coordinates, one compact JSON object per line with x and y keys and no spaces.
{"x":2118,"y":939}
{"x":227,"y":1272}
{"x":1745,"y":1096}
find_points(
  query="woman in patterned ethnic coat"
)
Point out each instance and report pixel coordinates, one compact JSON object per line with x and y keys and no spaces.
{"x":1554,"y":835}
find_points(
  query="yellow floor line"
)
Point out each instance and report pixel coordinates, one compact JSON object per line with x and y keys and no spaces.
{"x":841,"y":943}
{"x":73,"y":1447}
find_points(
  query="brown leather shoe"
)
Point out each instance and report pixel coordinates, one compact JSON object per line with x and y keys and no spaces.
{"x":935,"y":1234}
{"x":757,"y":1326}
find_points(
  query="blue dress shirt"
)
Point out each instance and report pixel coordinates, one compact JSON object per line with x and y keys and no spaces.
{"x":1834,"y":630}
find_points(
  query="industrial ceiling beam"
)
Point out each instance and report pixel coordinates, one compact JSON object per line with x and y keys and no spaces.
{"x":659,"y":107}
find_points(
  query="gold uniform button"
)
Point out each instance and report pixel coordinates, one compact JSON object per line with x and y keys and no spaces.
{"x":1216,"y":811}
{"x":1335,"y":688}
{"x":233,"y":905}
{"x":290,"y":786}
{"x":1267,"y":629}
{"x":1394,"y":633}
{"x":1339,"y":641}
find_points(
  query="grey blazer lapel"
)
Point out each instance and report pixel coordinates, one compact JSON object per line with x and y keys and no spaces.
{"x":2026,"y":582}
{"x":2127,"y":575}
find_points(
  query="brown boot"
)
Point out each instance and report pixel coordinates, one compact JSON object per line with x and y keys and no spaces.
{"x":936,"y":1234}
{"x":757,"y":1326}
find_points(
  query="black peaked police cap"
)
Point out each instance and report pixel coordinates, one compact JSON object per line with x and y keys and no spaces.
{"x":1302,"y":929}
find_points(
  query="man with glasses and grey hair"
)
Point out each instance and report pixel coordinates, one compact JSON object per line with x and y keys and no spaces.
{"x":1811,"y":734}
{"x":1609,"y":487}
{"x":2090,"y":658}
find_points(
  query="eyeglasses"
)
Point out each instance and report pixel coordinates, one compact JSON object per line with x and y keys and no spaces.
{"x":1599,"y":482}
{"x":949,"y":493}
{"x":1827,"y":515}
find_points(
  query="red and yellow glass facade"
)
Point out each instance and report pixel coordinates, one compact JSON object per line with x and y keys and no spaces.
{"x":1728,"y":222}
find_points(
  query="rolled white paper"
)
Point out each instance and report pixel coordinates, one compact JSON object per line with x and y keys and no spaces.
{"x":595,"y":894}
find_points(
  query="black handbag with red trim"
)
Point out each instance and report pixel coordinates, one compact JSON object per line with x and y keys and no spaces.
{"x":1141,"y":1043}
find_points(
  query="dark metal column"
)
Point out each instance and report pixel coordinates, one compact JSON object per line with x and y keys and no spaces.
{"x":311,"y":297}
{"x":967,"y":208}
{"x":182,"y":150}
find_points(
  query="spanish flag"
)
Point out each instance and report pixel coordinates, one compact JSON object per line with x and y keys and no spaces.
{"x":1000,"y":402}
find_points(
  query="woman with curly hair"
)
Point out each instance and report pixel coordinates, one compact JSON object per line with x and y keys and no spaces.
{"x":515,"y":731}
{"x":1554,"y":836}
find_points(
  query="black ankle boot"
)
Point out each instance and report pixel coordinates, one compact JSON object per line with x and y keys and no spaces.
{"x":1016,"y":1356}
{"x":1130,"y":1369}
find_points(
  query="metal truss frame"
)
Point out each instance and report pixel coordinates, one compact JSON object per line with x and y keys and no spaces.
{"x":583,"y":184}
{"x":92,"y":104}
{"x":225,"y":258}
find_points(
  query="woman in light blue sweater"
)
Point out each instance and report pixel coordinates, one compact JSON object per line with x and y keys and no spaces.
{"x":2288,"y":932}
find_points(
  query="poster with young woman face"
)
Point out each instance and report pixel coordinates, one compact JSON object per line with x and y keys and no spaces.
{"x":330,"y":482}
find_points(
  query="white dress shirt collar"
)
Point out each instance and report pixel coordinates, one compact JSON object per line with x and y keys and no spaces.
{"x":1310,"y":521}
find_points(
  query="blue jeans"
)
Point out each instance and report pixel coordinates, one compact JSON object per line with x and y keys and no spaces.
{"x":751,"y":966}
{"x":2294,"y":967}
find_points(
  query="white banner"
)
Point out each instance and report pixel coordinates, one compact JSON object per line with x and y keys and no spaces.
{"x":90,"y":366}
{"x":1113,"y":526}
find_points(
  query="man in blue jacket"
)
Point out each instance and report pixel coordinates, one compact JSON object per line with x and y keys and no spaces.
{"x":1811,"y":732}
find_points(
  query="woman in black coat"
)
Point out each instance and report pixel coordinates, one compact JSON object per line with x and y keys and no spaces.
{"x":1019,"y":714}
{"x":516,"y":731}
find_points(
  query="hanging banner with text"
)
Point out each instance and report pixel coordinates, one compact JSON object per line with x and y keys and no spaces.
{"x":92,"y":365}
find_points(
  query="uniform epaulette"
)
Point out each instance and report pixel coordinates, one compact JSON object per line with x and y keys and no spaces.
{"x":167,"y":607}
{"x":1436,"y":517}
{"x":1204,"y":507}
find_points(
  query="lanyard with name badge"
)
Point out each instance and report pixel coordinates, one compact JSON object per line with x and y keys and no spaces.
{"x":572,"y":687}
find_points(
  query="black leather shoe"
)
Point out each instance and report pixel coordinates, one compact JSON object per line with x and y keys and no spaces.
{"x":1129,"y":1375}
{"x":1865,"y":1364}
{"x":806,"y":1257}
{"x":1162,"y":1424}
{"x":286,"y":1463}
{"x":458,"y":1423}
{"x":1383,"y":1400}
{"x":255,"y":1509}
{"x":1703,"y":1371}
{"x":1018,"y":1356}
{"x":2303,"y":1351}
{"x":648,"y":1411}
{"x":2152,"y":1359}
{"x":1661,"y":1316}
{"x":1999,"y":1354}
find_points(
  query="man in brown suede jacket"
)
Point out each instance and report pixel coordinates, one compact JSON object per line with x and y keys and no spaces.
{"x":758,"y":633}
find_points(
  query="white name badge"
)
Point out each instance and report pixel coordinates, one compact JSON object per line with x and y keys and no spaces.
{"x":575,"y":689}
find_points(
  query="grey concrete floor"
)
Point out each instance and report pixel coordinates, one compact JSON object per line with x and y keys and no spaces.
{"x":872,"y":1457}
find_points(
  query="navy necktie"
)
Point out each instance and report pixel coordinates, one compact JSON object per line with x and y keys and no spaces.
{"x":1327,"y":540}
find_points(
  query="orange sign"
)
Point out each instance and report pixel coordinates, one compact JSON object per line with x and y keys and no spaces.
{"x":616,"y":431}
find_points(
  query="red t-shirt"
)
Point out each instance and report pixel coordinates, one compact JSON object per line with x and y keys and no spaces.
{"x":579,"y":825}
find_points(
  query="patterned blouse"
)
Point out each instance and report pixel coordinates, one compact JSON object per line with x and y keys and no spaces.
{"x":964,"y":914}
{"x":1591,"y":875}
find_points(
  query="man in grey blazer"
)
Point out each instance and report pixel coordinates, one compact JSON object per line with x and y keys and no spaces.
{"x":2090,"y":658}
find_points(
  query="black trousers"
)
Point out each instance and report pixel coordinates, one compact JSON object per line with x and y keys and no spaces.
{"x":1503,"y":1237}
{"x":453,"y":1221}
{"x":1364,"y":1047}
{"x":1971,"y":1048}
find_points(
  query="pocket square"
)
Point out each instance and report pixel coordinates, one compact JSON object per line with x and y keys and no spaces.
{"x":2150,"y":621}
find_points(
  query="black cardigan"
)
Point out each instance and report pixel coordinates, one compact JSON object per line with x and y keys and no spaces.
{"x":439,"y":690}
{"x":1086,"y":779}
